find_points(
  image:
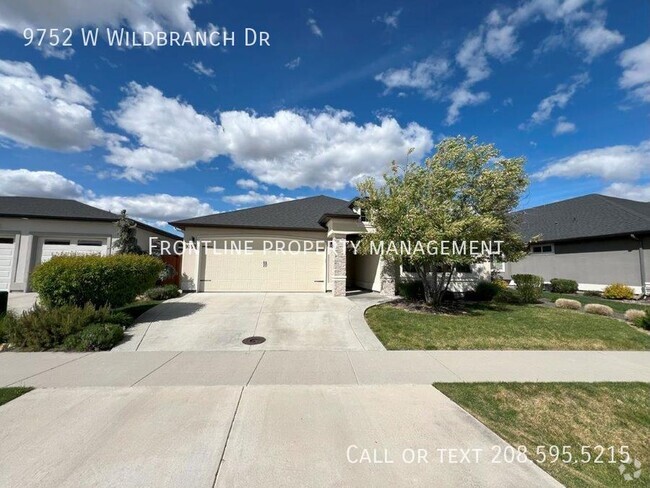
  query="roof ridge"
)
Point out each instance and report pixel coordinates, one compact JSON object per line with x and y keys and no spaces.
{"x":610,"y":201}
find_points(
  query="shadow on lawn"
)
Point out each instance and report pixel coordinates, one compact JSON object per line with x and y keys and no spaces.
{"x":458,"y":307}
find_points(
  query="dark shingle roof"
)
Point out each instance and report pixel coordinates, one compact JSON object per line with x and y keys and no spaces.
{"x":302,"y":214}
{"x":584,"y":217}
{"x":60,"y":209}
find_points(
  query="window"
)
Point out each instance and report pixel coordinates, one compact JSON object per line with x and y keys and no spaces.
{"x":361,"y":213}
{"x":6,"y":240}
{"x":56,"y":242}
{"x":543,"y":249}
{"x":82,"y":242}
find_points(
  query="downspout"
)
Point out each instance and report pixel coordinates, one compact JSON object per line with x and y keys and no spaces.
{"x":644,"y":291}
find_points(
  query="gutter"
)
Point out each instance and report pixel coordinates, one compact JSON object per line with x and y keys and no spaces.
{"x":644,"y":290}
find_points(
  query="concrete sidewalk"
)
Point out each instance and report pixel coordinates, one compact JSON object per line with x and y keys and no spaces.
{"x":256,"y":436}
{"x":212,"y":368}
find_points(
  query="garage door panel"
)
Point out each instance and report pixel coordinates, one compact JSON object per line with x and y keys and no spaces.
{"x":51,"y":247}
{"x":259,"y":271}
{"x":6,"y":262}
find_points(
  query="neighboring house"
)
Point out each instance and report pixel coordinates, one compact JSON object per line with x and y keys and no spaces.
{"x":595,"y":240}
{"x":310,"y":226}
{"x":32,"y":230}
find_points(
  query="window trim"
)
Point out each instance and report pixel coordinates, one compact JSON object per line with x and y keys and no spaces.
{"x":541,"y":247}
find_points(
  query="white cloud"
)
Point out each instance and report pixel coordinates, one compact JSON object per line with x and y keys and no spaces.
{"x":631,"y":192}
{"x":425,"y":75}
{"x":200,"y":69}
{"x":23,"y":182}
{"x":463,"y":97}
{"x":248,"y":184}
{"x":636,"y":70}
{"x":313,"y":26}
{"x":170,"y":134}
{"x":153,"y":15}
{"x":563,"y":126}
{"x":596,"y":39}
{"x":215,"y":189}
{"x":253,"y":198}
{"x":627,"y":163}
{"x":390,"y":20}
{"x":293,"y":64}
{"x":159,"y":208}
{"x":319,"y":149}
{"x":559,"y":99}
{"x":45,"y":111}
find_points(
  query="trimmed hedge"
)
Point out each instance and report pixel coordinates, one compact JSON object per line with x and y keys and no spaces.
{"x":568,"y":304}
{"x":598,"y":309}
{"x":618,"y":291}
{"x":529,"y":286}
{"x":101,"y":280}
{"x":559,"y":285}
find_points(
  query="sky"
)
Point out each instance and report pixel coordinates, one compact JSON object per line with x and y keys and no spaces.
{"x":338,"y":92}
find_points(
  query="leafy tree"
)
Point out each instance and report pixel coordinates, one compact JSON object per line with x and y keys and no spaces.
{"x":126,"y":242}
{"x":465,"y":192}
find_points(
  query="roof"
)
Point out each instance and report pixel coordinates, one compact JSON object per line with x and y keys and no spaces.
{"x":589,"y":216}
{"x":62,"y":209}
{"x":302,"y":214}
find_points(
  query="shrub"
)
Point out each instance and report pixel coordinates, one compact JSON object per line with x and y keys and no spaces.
{"x":3,"y":326}
{"x":592,"y":293}
{"x":44,"y":328}
{"x":503,"y":284}
{"x":559,"y":285}
{"x":568,"y":304}
{"x":643,"y":321}
{"x":508,"y":296}
{"x":484,"y":291}
{"x":101,"y":280}
{"x":95,"y":337}
{"x":598,"y":309}
{"x":633,"y":314}
{"x":618,"y":291}
{"x":411,"y":290}
{"x":162,"y":292}
{"x":122,"y":319}
{"x":529,"y":287}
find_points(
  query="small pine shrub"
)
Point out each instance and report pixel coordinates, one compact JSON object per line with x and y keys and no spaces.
{"x":162,"y":292}
{"x":95,"y":337}
{"x":559,"y":285}
{"x":122,"y":319}
{"x":598,"y":309}
{"x":618,"y":291}
{"x":568,"y":304}
{"x":529,"y":286}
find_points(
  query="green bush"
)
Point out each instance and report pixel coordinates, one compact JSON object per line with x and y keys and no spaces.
{"x":45,"y":328}
{"x":559,"y":285}
{"x":3,"y":328}
{"x":592,"y":293}
{"x":95,"y":337}
{"x":618,"y":291}
{"x":529,"y":286}
{"x":643,"y":322}
{"x":484,"y":291}
{"x":122,"y":319}
{"x":101,"y":280}
{"x":507,"y":295}
{"x":162,"y":292}
{"x":411,"y":290}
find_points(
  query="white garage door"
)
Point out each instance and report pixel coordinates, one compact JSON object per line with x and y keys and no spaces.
{"x":6,"y":261}
{"x":257,"y":270}
{"x":52,"y":246}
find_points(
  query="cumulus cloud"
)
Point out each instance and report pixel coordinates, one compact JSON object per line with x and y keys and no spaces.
{"x":425,"y":76}
{"x":169,"y":133}
{"x":563,"y":126}
{"x":636,"y":70}
{"x":45,"y":111}
{"x":254,"y":198}
{"x":313,"y":26}
{"x":23,"y":182}
{"x":389,"y":19}
{"x":200,"y":69}
{"x":151,"y":15}
{"x":293,"y":64}
{"x":629,"y":191}
{"x":624,"y":162}
{"x":248,"y":184}
{"x":319,"y":149}
{"x":562,"y":95}
{"x":596,"y":39}
{"x":215,"y":189}
{"x":463,"y":97}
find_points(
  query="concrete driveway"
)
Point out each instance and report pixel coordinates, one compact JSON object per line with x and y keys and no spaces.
{"x":288,"y":321}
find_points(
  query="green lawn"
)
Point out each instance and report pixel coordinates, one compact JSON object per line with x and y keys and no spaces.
{"x":567,"y":414}
{"x":616,"y":305}
{"x":494,"y":326}
{"x":8,"y":394}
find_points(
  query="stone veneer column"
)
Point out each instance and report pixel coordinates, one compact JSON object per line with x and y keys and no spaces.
{"x":339,"y":269}
{"x":388,"y":278}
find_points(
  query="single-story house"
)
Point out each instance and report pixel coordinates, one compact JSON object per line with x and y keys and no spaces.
{"x":301,"y":245}
{"x":595,"y":240}
{"x":32,"y":230}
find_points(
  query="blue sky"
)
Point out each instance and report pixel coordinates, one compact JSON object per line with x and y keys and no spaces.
{"x":341,"y":91}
